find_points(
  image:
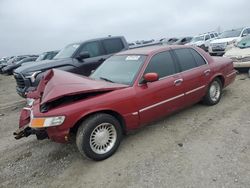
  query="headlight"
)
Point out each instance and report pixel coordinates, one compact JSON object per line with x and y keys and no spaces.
{"x":30,"y":101}
{"x":32,"y":75}
{"x":47,"y":122}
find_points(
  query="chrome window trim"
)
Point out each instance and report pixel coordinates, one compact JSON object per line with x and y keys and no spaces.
{"x":162,"y":78}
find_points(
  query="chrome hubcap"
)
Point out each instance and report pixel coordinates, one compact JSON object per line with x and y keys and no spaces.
{"x":103,"y":138}
{"x":214,"y":91}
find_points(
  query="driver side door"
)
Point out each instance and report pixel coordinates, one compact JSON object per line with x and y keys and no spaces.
{"x":159,"y":98}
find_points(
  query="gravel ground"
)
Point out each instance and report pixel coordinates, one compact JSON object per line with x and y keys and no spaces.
{"x":198,"y":147}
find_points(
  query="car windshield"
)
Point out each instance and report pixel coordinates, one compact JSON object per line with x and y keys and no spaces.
{"x":41,"y":57}
{"x":119,"y":69}
{"x":231,"y":33}
{"x":198,"y":38}
{"x":244,"y":43}
{"x":67,"y":52}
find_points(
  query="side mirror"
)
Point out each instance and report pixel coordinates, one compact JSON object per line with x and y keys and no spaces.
{"x":150,"y":77}
{"x":83,"y":55}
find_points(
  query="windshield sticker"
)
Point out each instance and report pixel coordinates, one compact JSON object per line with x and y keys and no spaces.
{"x":133,"y":58}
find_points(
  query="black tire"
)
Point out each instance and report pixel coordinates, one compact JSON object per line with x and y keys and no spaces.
{"x":87,"y":128}
{"x":208,"y":99}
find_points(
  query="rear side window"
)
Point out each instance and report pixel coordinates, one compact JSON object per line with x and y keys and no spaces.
{"x":162,"y":64}
{"x":185,"y":58}
{"x":93,"y":48}
{"x":198,"y":58}
{"x":212,"y":35}
{"x":113,"y":45}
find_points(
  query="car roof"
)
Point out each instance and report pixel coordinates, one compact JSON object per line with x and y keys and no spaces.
{"x":96,"y":39}
{"x":150,"y":49}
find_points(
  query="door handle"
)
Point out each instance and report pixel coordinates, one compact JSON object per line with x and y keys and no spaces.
{"x":207,"y":72}
{"x":178,"y":82}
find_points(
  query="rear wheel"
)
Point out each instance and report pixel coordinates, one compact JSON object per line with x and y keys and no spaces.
{"x":214,"y":92}
{"x":99,"y":136}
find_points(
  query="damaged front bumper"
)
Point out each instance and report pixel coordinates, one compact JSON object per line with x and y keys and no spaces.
{"x":27,"y":131}
{"x":56,"y":133}
{"x":24,"y":130}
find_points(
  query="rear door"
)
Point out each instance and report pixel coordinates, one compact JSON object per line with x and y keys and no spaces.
{"x":161,"y":97}
{"x":195,"y":73}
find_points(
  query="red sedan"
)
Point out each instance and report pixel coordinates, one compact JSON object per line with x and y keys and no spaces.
{"x":129,"y":90}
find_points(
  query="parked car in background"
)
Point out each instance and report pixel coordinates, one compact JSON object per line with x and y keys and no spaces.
{"x":80,"y":58}
{"x":182,"y":41}
{"x":168,"y":41}
{"x":47,"y":55}
{"x":240,"y":54}
{"x":12,"y":66}
{"x":202,"y":41}
{"x":129,"y":90}
{"x":219,"y":46}
{"x":11,"y":61}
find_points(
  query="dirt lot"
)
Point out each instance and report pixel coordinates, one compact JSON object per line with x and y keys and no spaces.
{"x":197,"y":147}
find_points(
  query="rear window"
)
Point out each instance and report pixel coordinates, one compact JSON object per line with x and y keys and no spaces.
{"x":199,"y":60}
{"x":113,"y":45}
{"x":185,"y":59}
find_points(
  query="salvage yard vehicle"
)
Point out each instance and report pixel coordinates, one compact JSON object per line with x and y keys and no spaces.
{"x":202,"y":40}
{"x":219,"y":46}
{"x":12,"y":66}
{"x":240,"y":54}
{"x":182,"y":41}
{"x":80,"y":58}
{"x":129,"y":90}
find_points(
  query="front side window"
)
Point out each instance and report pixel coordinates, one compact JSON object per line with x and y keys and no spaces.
{"x":113,"y":45}
{"x":93,"y":48}
{"x":207,"y":37}
{"x":185,"y":58}
{"x":119,"y":69}
{"x":162,"y":64}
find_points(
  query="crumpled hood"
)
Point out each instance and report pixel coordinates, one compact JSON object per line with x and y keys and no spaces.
{"x":57,"y":84}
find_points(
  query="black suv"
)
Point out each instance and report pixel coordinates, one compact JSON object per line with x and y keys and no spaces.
{"x":80,"y":58}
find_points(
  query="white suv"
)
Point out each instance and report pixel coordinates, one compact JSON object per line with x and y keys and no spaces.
{"x":218,"y":46}
{"x":203,"y":40}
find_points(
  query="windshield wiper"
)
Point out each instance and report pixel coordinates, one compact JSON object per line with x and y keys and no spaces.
{"x":106,"y":79}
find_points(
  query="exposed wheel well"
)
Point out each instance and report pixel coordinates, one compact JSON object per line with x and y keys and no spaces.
{"x":110,"y":112}
{"x":221,"y":79}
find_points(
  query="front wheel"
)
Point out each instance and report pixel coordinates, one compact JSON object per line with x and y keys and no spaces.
{"x":214,"y":92}
{"x":99,"y":136}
